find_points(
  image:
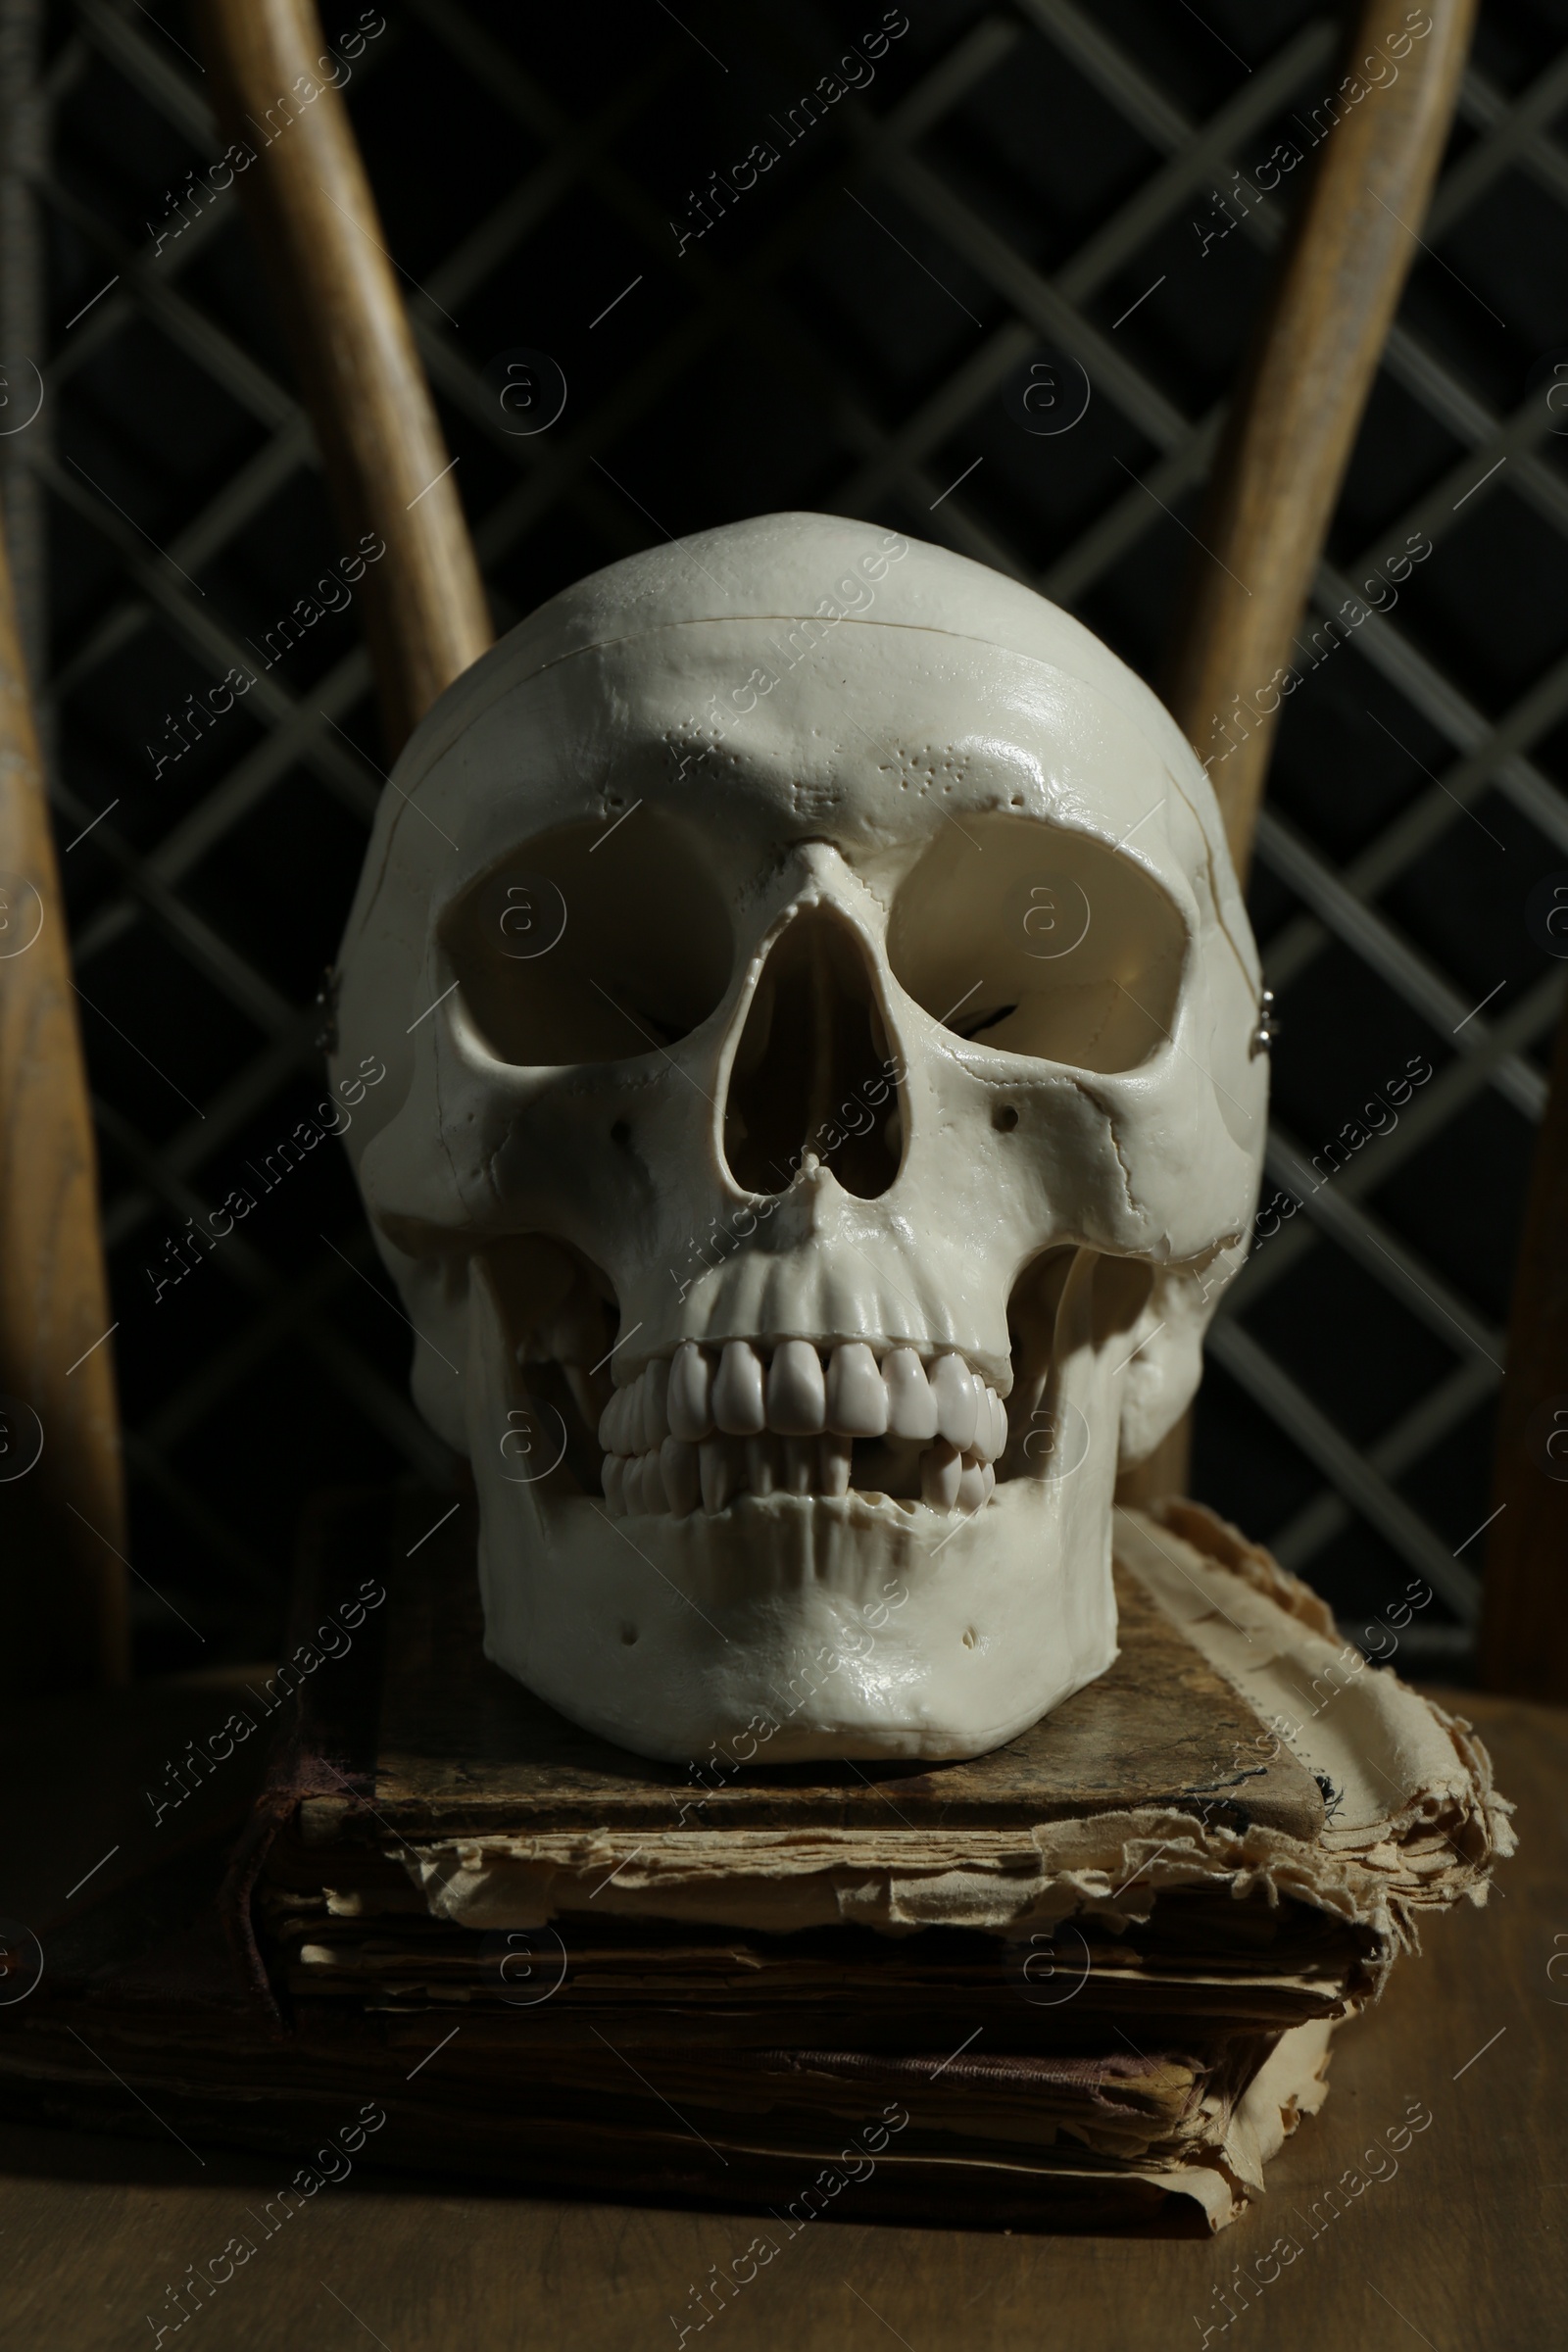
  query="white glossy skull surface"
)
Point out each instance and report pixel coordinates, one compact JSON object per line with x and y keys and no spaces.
{"x":822,"y":1108}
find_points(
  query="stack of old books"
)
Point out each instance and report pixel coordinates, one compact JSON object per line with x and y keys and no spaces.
{"x":1088,"y":1978}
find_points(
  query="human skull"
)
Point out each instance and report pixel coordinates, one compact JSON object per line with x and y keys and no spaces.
{"x":823,"y":1104}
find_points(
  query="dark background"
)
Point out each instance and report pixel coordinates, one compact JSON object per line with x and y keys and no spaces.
{"x":845,"y":339}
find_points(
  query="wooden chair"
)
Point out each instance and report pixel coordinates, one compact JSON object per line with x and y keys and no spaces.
{"x":1292,"y":426}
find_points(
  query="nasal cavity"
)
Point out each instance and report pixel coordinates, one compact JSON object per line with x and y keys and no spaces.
{"x":813,"y":1071}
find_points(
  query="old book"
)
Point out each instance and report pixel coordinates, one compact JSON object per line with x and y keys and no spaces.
{"x":1088,"y":1978}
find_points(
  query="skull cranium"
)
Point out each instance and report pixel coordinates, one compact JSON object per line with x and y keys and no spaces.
{"x":822,"y":1109}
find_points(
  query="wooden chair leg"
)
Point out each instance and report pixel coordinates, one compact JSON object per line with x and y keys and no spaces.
{"x":1292,"y":425}
{"x":62,"y":1509}
{"x":300,"y":173}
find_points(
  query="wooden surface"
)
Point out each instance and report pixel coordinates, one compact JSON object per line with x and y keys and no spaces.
{"x":62,"y":1581}
{"x":1462,"y":2247}
{"x":1524,"y":1601}
{"x":341,"y":303}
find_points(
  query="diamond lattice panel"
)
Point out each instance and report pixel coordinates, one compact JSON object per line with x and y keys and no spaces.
{"x":824,"y":258}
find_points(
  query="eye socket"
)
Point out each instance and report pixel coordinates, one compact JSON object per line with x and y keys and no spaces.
{"x":1030,"y":940}
{"x":591,"y":944}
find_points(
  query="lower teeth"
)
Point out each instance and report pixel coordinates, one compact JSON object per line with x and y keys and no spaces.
{"x":680,"y":1478}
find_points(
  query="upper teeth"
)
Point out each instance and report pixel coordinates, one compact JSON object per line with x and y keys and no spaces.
{"x":673,"y":1433}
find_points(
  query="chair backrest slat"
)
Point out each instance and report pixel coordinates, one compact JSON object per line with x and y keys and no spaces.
{"x":326,"y":255}
{"x":1298,"y":403}
{"x":1292,"y":425}
{"x":61,"y":1513}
